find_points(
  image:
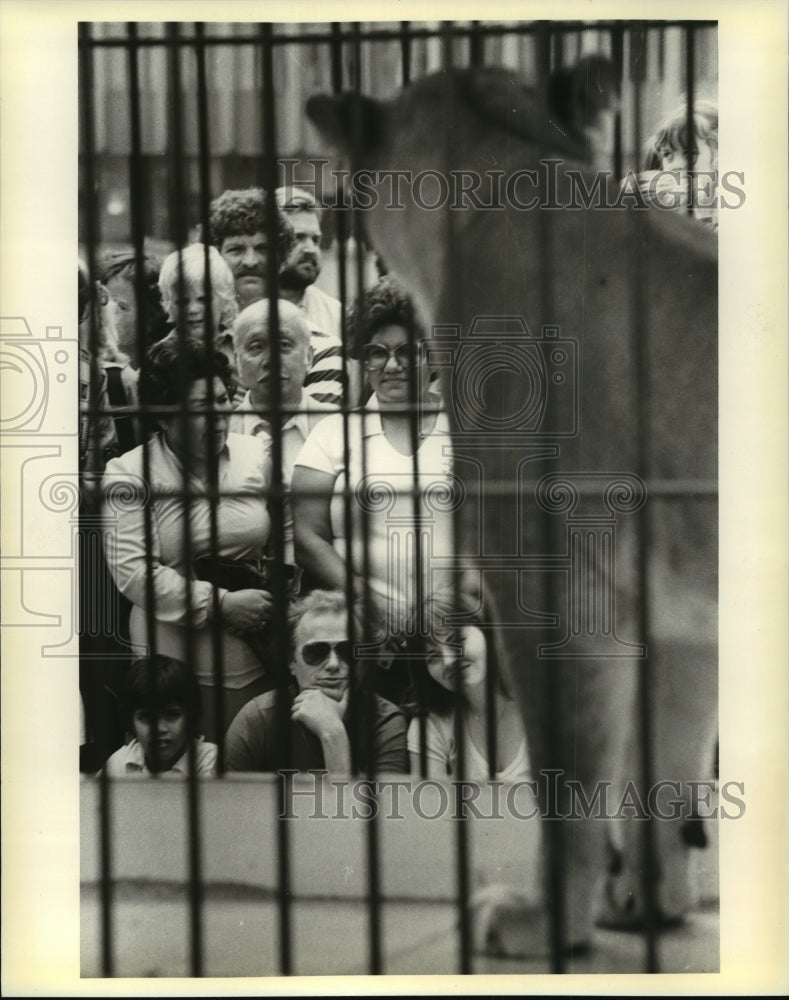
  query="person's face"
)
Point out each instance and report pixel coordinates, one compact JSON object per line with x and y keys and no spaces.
{"x":205,"y":436}
{"x":254,"y":364}
{"x":459,"y":651}
{"x":390,"y":374}
{"x":675,"y":159}
{"x":190,"y":308}
{"x":321,"y":659}
{"x":121,"y":291}
{"x":246,"y":255}
{"x":304,"y":261}
{"x":162,"y":735}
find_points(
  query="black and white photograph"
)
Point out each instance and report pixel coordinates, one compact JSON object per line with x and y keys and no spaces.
{"x":392,"y":526}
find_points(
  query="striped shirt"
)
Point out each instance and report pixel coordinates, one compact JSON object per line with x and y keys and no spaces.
{"x":325,"y":379}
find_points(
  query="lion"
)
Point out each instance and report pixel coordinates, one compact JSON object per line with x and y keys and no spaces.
{"x":584,"y":327}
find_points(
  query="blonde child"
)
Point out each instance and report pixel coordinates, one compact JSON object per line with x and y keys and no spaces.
{"x":665,"y":161}
{"x":184,"y":298}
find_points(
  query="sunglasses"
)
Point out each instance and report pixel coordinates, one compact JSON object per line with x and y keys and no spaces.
{"x":376,"y":356}
{"x":315,"y":653}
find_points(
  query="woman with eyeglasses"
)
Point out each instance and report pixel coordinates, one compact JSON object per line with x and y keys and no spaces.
{"x":393,"y":474}
{"x":458,"y":670}
{"x":332,"y":721}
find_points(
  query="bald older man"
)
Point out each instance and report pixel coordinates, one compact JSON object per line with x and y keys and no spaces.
{"x":300,"y":411}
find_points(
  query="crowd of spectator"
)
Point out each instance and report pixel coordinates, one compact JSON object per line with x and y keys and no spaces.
{"x":238,"y":430}
{"x":263,"y":463}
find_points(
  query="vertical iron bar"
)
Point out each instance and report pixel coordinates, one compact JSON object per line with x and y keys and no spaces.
{"x":371,"y":822}
{"x":476,"y":46}
{"x":554,"y":832}
{"x":87,"y":109}
{"x":336,"y":46}
{"x":690,"y":142}
{"x":405,"y":52}
{"x":279,"y":643}
{"x":204,"y":167}
{"x":178,"y":221}
{"x":137,"y":209}
{"x":461,"y":827}
{"x":617,"y":57}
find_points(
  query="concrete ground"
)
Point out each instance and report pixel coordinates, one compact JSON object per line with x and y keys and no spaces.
{"x":239,"y":838}
{"x":331,"y":937}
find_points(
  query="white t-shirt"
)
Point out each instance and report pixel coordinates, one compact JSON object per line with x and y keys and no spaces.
{"x":295,"y":431}
{"x":381,"y":483}
{"x":440,"y":749}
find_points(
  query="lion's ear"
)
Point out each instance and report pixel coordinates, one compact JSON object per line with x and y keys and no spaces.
{"x":350,"y":123}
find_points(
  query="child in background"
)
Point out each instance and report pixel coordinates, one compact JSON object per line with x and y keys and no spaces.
{"x":162,"y":700}
{"x":183,"y":291}
{"x":665,"y":164}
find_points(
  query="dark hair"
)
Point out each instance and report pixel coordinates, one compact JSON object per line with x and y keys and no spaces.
{"x":387,"y":303}
{"x":243,"y":213}
{"x":171,"y":367}
{"x":442,"y":614}
{"x":123,"y":264}
{"x":159,"y":681}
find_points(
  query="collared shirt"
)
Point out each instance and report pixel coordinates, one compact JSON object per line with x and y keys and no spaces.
{"x":243,"y":527}
{"x":130,"y":760}
{"x":381,"y":482}
{"x":295,"y":431}
{"x":243,"y":523}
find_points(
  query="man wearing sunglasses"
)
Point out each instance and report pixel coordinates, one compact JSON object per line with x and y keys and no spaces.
{"x":331,"y":727}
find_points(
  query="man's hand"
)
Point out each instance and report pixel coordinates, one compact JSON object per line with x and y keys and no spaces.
{"x":324,"y":716}
{"x":321,"y":714}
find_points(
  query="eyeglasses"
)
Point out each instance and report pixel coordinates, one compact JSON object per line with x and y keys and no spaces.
{"x":376,"y":356}
{"x":315,"y":653}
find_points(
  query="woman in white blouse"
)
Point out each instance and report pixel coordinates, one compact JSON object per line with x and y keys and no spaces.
{"x":186,"y":389}
{"x":381,"y":472}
